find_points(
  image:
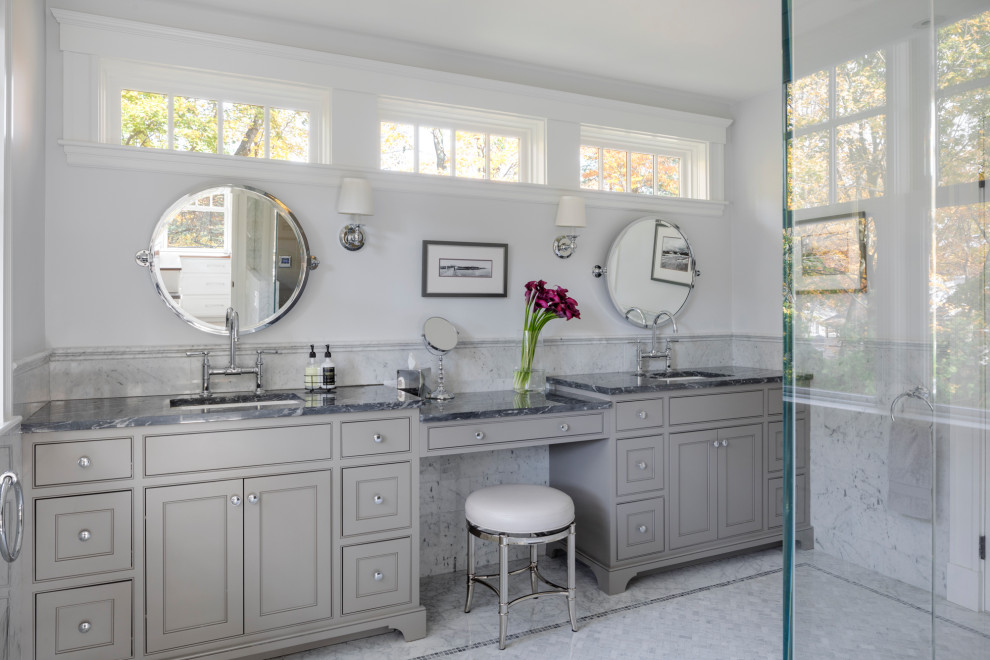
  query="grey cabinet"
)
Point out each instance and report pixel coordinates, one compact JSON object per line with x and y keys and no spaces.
{"x":716,"y":479}
{"x":195,"y":568}
{"x":685,"y":475}
{"x":229,"y":557}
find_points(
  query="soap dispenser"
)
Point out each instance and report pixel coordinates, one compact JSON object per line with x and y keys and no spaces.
{"x":312,"y":373}
{"x":329,"y":371}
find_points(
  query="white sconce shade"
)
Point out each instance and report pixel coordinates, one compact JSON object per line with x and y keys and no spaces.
{"x":570,"y":213}
{"x":354,"y":199}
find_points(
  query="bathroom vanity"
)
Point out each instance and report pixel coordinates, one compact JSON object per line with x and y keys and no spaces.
{"x":691,"y":469}
{"x":227,"y":533}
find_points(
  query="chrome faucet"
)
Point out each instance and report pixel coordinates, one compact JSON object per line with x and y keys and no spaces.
{"x":643,"y":357}
{"x":232,"y":327}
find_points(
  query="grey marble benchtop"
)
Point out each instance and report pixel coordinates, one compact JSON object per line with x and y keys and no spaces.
{"x":629,"y":383}
{"x":505,"y":403}
{"x":89,"y":414}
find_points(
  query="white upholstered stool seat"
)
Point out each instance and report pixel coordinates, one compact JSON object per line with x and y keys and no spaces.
{"x":520,"y":514}
{"x":519,"y":509}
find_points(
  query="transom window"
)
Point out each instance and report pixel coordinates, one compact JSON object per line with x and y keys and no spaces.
{"x":456,"y":142}
{"x":838,"y":119}
{"x":169,"y":109}
{"x":200,"y":226}
{"x":625,"y":161}
{"x":182,"y":123}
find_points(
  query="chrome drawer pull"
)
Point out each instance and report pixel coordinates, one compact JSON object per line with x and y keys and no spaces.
{"x":641,"y":414}
{"x":564,"y":427}
{"x":85,"y":535}
{"x":725,"y":443}
{"x":377,"y":437}
{"x":715,"y":444}
{"x":253,"y":498}
{"x":642,"y":529}
{"x":85,"y":627}
{"x":379,"y":499}
{"x":84,"y":462}
{"x":379,"y":576}
{"x":235,"y":500}
{"x":642,"y":465}
{"x":480,"y":435}
{"x":8,"y":479}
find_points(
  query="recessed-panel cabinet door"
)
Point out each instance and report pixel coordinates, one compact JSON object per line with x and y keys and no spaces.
{"x":740,"y":470}
{"x":693,"y":488}
{"x":287,"y":556}
{"x":194,"y":551}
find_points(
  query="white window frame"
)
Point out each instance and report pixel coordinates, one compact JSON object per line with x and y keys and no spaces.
{"x":119,"y":75}
{"x":203,"y":251}
{"x":531,"y":132}
{"x":693,"y":154}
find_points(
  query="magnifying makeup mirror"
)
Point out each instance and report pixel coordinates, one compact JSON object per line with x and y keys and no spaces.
{"x":440,"y":336}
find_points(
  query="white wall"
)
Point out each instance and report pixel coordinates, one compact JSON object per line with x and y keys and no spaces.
{"x":27,"y":179}
{"x":98,"y":218}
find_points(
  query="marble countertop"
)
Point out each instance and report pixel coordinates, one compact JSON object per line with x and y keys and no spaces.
{"x":502,"y":403}
{"x":629,"y":383}
{"x":120,"y":412}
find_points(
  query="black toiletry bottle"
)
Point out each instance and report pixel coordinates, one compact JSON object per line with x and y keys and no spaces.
{"x":329,"y":371}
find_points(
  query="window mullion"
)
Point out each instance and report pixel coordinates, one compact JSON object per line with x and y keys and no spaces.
{"x":268,"y":132}
{"x":170,"y":129}
{"x":219,"y":126}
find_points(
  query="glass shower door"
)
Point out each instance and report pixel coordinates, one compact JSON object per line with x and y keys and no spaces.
{"x":886,"y":327}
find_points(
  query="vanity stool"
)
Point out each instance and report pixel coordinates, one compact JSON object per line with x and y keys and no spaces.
{"x":519,"y":514}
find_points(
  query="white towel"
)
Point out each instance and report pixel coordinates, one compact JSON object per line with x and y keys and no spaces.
{"x":909,"y":469}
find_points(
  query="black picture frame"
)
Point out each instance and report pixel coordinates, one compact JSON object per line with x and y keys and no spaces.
{"x":457,"y":269}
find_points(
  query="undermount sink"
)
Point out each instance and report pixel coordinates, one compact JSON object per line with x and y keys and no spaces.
{"x":236,"y":400}
{"x":678,"y":375}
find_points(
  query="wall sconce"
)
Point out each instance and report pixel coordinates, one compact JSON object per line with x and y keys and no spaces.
{"x":570,"y":213}
{"x":354,"y":199}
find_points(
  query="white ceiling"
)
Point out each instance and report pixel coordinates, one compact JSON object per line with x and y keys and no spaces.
{"x":726,"y":50}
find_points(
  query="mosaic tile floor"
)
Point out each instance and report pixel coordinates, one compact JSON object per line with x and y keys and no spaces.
{"x":721,"y":610}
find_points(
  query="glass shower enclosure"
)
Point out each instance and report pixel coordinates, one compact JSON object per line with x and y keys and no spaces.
{"x":886,"y":241}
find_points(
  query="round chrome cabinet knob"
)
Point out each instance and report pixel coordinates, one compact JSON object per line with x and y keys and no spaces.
{"x":85,"y":535}
{"x":379,"y":576}
{"x":84,"y":462}
{"x":377,"y":438}
{"x":642,"y":414}
{"x":85,"y":627}
{"x":642,"y":465}
{"x":480,"y":435}
{"x":642,"y":529}
{"x":379,"y":499}
{"x":235,"y":500}
{"x":564,"y":428}
{"x":253,"y":498}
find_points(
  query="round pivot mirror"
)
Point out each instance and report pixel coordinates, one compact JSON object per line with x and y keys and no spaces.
{"x":229,"y":247}
{"x":650,"y":268}
{"x":440,"y":336}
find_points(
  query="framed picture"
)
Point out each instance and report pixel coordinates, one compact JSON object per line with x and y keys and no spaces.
{"x":476,"y":270}
{"x":672,"y":260}
{"x":830,"y":254}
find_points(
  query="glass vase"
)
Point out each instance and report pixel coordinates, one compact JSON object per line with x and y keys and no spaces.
{"x":529,"y":380}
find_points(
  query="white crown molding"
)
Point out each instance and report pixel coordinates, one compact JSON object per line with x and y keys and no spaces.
{"x":93,"y":154}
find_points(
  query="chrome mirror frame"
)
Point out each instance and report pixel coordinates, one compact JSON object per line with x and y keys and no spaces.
{"x":146,"y":258}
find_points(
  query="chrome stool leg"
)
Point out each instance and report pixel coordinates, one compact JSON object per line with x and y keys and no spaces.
{"x":533,"y":567}
{"x":571,"y":580}
{"x":470,"y":570}
{"x":503,"y":590}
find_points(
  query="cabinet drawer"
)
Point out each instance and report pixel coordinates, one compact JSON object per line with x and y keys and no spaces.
{"x":206,"y":306}
{"x":382,"y":436}
{"x":377,"y":575}
{"x":75,"y":462}
{"x":376,"y":498}
{"x":205,"y":265}
{"x":639,"y":464}
{"x":775,"y":501}
{"x":775,"y":445}
{"x":639,"y":526}
{"x":205,"y":284}
{"x":638,"y":414}
{"x":91,"y":623}
{"x":713,"y":407}
{"x":82,"y":534}
{"x":218,"y":450}
{"x":493,"y":433}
